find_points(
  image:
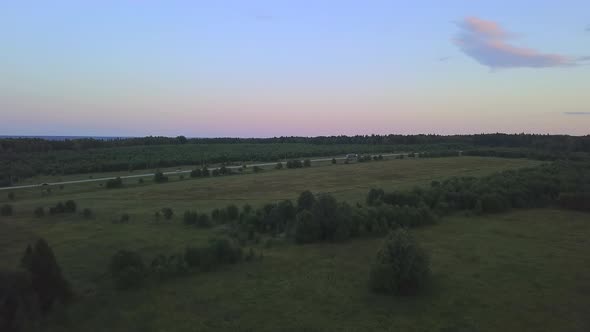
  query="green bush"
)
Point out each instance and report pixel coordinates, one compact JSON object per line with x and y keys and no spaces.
{"x":401,"y":266}
{"x":127,"y":269}
{"x":70,"y":206}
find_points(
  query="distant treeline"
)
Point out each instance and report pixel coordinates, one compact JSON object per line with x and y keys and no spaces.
{"x":26,"y":157}
{"x":531,"y":141}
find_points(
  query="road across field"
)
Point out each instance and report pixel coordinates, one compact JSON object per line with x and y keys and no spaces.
{"x":169,"y":173}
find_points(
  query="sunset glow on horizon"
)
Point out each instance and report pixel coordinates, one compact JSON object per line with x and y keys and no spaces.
{"x":305,"y":68}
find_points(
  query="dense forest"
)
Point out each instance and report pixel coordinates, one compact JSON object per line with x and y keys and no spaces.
{"x":531,"y":141}
{"x":21,"y":158}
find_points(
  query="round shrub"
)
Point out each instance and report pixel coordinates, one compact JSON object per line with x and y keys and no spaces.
{"x":401,"y":266}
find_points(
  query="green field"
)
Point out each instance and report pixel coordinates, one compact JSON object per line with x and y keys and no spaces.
{"x":350,"y":182}
{"x":521,"y":271}
{"x":524,"y":270}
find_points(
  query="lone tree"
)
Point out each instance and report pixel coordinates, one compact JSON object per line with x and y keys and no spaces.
{"x":401,"y":266}
{"x":47,"y":280}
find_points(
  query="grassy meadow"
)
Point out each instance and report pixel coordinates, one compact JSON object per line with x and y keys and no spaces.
{"x":523,"y":270}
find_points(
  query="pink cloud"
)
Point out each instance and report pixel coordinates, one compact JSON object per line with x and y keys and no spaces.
{"x":489,"y":44}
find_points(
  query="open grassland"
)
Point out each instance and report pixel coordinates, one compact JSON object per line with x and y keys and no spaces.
{"x":523,"y":270}
{"x":520,"y":271}
{"x":73,"y":237}
{"x":350,"y":182}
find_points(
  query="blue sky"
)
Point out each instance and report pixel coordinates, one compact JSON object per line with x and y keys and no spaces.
{"x":266,"y":68}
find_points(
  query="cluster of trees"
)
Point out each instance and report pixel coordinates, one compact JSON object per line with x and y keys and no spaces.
{"x":200,"y":172}
{"x":69,"y":206}
{"x":129,"y":270}
{"x":28,"y":294}
{"x":297,"y":163}
{"x":312,"y":218}
{"x":365,"y":158}
{"x":563,"y":182}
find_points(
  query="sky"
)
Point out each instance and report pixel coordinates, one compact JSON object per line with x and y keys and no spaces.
{"x":279,"y":68}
